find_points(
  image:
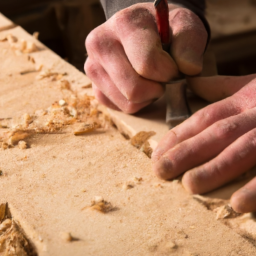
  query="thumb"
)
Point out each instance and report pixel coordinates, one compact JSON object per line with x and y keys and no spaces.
{"x":189,"y":39}
{"x":216,"y":88}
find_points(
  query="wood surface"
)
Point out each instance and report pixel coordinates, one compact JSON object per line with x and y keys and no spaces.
{"x":5,"y":23}
{"x":49,"y":186}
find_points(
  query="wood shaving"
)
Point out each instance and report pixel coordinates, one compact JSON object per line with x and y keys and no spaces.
{"x":13,"y":242}
{"x":87,"y":86}
{"x":49,"y":73}
{"x":21,"y":45}
{"x":11,"y":39}
{"x":5,"y":225}
{"x":66,"y":236}
{"x":225,"y":211}
{"x":146,"y":148}
{"x":30,"y":47}
{"x":85,"y":128}
{"x":62,"y":102}
{"x":36,"y":35}
{"x":128,"y":185}
{"x":100,"y":205}
{"x":4,"y":145}
{"x":138,"y":180}
{"x":64,"y":84}
{"x":140,"y":141}
{"x":170,"y":246}
{"x":3,"y":210}
{"x":16,"y":136}
{"x":22,"y":144}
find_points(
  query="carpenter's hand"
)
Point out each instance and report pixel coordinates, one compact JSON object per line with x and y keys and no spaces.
{"x":126,"y":62}
{"x":217,"y":144}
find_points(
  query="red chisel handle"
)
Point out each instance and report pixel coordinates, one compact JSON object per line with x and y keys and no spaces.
{"x":162,"y":19}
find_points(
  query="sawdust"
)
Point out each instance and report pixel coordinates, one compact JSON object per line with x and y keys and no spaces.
{"x":13,"y":242}
{"x":20,"y":45}
{"x":80,"y":112}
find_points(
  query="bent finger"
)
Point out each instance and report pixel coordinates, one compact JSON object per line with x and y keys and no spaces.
{"x":137,"y":31}
{"x":103,"y":99}
{"x":229,"y":164}
{"x":196,"y":124}
{"x":189,"y":39}
{"x":104,"y":83}
{"x":205,"y":146}
{"x":244,"y":200}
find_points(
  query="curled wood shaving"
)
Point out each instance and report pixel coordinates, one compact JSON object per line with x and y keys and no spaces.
{"x":86,"y":128}
{"x":100,"y":205}
{"x":140,"y":141}
{"x":225,"y":211}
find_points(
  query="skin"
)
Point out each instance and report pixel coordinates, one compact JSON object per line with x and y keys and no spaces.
{"x":216,"y":144}
{"x":126,"y":62}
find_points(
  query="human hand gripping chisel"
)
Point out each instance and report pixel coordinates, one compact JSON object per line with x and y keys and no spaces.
{"x":177,"y":109}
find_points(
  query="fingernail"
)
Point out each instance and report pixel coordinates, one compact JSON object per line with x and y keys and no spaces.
{"x":163,"y":168}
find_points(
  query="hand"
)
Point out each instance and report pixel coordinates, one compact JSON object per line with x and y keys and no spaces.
{"x":216,"y":144}
{"x":126,"y":62}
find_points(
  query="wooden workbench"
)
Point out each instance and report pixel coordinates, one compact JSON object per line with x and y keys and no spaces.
{"x":49,"y":186}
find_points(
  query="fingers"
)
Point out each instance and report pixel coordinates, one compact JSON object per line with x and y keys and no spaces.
{"x":137,"y":31}
{"x":244,"y":200}
{"x":216,"y":88}
{"x":206,"y":145}
{"x":189,"y":39}
{"x":103,"y":99}
{"x":194,"y":125}
{"x":108,"y":89}
{"x":229,"y":164}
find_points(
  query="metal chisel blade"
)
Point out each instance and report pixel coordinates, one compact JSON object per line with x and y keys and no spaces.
{"x":177,"y":109}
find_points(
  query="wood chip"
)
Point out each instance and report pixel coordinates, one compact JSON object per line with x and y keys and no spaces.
{"x":66,"y":236}
{"x":5,"y":225}
{"x":85,"y":128}
{"x":140,"y":138}
{"x":22,"y":144}
{"x":3,"y":208}
{"x":100,"y":205}
{"x":16,"y":137}
{"x":36,"y":35}
{"x":225,"y":211}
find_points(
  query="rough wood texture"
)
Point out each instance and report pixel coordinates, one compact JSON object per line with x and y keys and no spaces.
{"x":50,"y":185}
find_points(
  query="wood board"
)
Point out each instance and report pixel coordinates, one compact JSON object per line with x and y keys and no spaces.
{"x":49,"y":185}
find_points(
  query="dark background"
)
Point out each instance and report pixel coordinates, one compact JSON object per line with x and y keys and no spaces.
{"x":64,"y":24}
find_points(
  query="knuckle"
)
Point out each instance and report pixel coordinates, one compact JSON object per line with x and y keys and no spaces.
{"x":91,"y":40}
{"x":205,"y":116}
{"x":144,"y":68}
{"x":91,"y":70}
{"x":132,"y":94}
{"x":129,"y":108}
{"x":225,"y":129}
{"x":135,"y":15}
{"x":99,"y":41}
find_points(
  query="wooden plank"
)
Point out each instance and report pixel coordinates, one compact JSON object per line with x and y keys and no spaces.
{"x":50,"y":185}
{"x":5,"y":23}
